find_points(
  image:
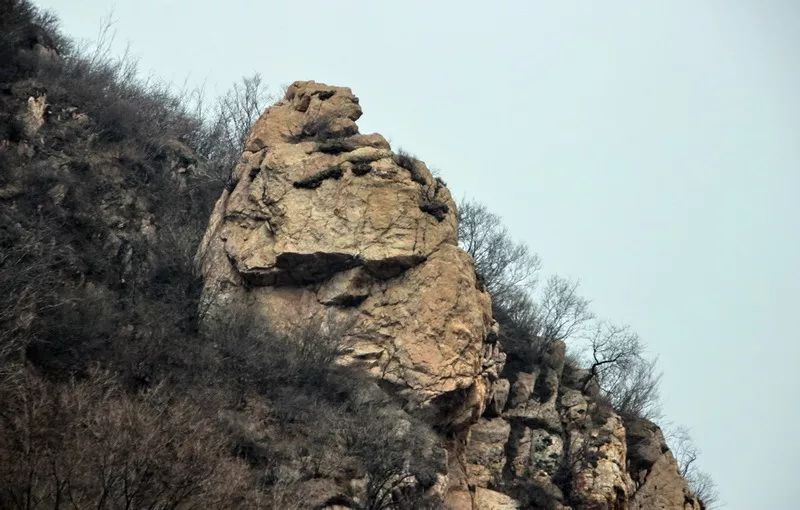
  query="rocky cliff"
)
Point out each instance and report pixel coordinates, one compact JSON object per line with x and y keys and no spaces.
{"x":344,"y":354}
{"x":319,"y":223}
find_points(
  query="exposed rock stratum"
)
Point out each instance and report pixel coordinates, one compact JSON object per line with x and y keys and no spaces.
{"x":321,"y":223}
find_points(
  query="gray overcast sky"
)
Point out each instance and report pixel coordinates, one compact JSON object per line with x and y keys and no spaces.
{"x":651,"y":149}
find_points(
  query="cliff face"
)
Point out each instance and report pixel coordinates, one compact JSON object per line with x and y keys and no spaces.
{"x":552,"y":442}
{"x":319,"y":223}
{"x":322,"y":223}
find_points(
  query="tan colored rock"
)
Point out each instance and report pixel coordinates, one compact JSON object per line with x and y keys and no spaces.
{"x":494,"y":358}
{"x":664,"y":489}
{"x":533,"y":397}
{"x":522,"y":389}
{"x":498,"y":397}
{"x":481,"y":499}
{"x":322,"y":222}
{"x":460,"y":499}
{"x":486,"y":451}
{"x":30,"y":118}
{"x":655,"y":470}
{"x":573,"y":405}
{"x":598,"y":457}
{"x":486,"y":499}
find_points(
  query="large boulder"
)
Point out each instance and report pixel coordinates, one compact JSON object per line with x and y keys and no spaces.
{"x":486,"y":451}
{"x":319,"y":222}
{"x":655,"y":470}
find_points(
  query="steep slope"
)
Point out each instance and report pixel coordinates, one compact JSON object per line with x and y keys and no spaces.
{"x":321,"y":223}
{"x":101,"y":200}
{"x":347,"y":356}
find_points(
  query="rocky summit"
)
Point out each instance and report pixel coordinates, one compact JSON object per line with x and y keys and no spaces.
{"x":321,"y":224}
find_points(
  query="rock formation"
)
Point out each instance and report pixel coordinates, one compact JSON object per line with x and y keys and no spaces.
{"x":321,"y":223}
{"x":555,"y":445}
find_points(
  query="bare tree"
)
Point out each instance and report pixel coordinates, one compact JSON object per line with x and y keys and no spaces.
{"x":530,"y":320}
{"x":88,"y":444}
{"x":235,"y":114}
{"x":506,"y":266}
{"x":686,"y":454}
{"x":683,"y":448}
{"x":560,"y":312}
{"x":704,"y":487}
{"x":614,"y":350}
{"x":509,"y":270}
{"x":627,"y":378}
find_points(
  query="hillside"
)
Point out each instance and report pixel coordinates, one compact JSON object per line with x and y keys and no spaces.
{"x":314,"y":324}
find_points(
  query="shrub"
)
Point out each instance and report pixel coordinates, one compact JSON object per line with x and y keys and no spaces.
{"x":90,"y":444}
{"x":409,"y":162}
{"x":233,"y":116}
{"x":626,"y":377}
{"x":686,"y":454}
{"x":304,"y":386}
{"x":318,"y":129}
{"x":438,"y":210}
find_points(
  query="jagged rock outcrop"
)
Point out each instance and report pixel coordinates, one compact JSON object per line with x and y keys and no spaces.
{"x":321,"y":222}
{"x":654,"y":470}
{"x":553,"y":444}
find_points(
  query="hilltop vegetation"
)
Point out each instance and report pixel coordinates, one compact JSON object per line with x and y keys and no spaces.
{"x":114,"y":395}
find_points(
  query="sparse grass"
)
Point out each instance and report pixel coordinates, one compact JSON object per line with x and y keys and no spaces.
{"x":438,"y":210}
{"x":318,"y":129}
{"x":314,"y":181}
{"x":409,"y":162}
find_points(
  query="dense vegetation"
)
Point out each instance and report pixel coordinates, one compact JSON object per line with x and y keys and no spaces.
{"x":101,"y":402}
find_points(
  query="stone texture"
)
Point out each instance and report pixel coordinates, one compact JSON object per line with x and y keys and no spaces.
{"x":546,"y":451}
{"x":664,"y":488}
{"x":486,"y":451}
{"x":646,"y":445}
{"x":480,"y":499}
{"x":654,"y":470}
{"x":486,"y":499}
{"x":522,"y":389}
{"x":597,"y":454}
{"x":30,"y":117}
{"x":320,"y":222}
{"x":498,"y":397}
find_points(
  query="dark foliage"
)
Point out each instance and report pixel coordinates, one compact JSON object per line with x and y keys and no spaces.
{"x":438,"y":210}
{"x":100,"y":216}
{"x":319,"y":129}
{"x":315,"y":180}
{"x":409,"y":162}
{"x":336,"y":146}
{"x":361,"y":168}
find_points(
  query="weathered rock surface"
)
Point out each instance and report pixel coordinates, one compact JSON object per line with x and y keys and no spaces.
{"x":664,"y":488}
{"x":485,"y":455}
{"x":319,"y":221}
{"x":557,"y":446}
{"x":655,"y":471}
